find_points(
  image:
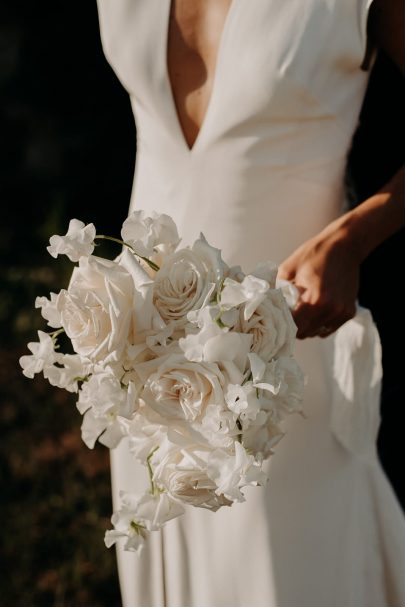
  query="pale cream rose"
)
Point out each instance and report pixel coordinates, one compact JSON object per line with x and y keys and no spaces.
{"x":178,"y":389}
{"x":182,"y":472}
{"x":271,"y":326}
{"x":186,"y":279}
{"x":96,"y":310}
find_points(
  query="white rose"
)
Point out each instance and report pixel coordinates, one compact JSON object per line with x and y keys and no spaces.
{"x":97,"y":309}
{"x":77,"y":242}
{"x":271,"y":326}
{"x":186,"y":279}
{"x":182,"y":472}
{"x":179,"y":389}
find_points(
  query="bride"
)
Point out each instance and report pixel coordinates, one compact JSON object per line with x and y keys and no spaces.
{"x":245,"y":113}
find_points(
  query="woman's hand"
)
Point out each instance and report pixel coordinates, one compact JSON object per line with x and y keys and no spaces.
{"x":325,"y":270}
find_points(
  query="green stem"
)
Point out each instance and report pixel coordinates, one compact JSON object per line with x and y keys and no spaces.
{"x":81,"y":378}
{"x":153,"y":488}
{"x":55,"y":334}
{"x":150,"y":263}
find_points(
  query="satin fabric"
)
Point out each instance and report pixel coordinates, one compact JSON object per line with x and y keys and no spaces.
{"x":266,"y":173}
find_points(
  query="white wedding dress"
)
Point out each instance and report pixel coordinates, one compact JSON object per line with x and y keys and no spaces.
{"x":266,"y":173}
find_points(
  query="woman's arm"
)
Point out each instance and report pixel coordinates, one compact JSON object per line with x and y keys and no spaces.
{"x":326,"y":268}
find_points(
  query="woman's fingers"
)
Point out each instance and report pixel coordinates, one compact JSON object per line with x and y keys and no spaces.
{"x":319,"y":319}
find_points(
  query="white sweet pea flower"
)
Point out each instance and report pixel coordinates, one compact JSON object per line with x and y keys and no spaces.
{"x":43,"y":355}
{"x":152,"y":234}
{"x":179,"y":389}
{"x":243,"y":400}
{"x":145,"y":431}
{"x":211,"y":257}
{"x":77,"y":242}
{"x":214,"y":343}
{"x":219,"y":427}
{"x":233,"y":472}
{"x":71,"y":369}
{"x":266,"y":270}
{"x":283,"y":383}
{"x":49,"y":310}
{"x":103,"y":400}
{"x":289,"y":291}
{"x":262,"y":434}
{"x":250,"y":292}
{"x":146,"y":316}
{"x":138,"y":515}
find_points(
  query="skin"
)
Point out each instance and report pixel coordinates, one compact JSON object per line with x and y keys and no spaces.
{"x":325,"y":269}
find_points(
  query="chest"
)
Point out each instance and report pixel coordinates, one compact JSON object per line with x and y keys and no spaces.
{"x":194,"y":33}
{"x":193,"y":38}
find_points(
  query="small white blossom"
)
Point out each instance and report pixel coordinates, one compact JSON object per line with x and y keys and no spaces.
{"x":150,"y":234}
{"x":218,"y":426}
{"x":145,"y":430}
{"x":251,"y":292}
{"x":233,"y":472}
{"x":262,"y":434}
{"x":266,"y":270}
{"x":138,"y":515}
{"x":214,"y":343}
{"x":77,"y":242}
{"x":289,"y":291}
{"x":243,"y":400}
{"x":103,"y":400}
{"x":49,"y":310}
{"x":282,"y":380}
{"x":71,"y":369}
{"x":43,"y":355}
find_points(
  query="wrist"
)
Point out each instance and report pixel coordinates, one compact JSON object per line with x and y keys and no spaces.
{"x":345,"y":233}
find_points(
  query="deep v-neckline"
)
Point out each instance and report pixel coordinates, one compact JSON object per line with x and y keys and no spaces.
{"x":213,"y":94}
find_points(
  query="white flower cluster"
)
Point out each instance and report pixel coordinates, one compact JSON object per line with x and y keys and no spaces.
{"x":188,"y":358}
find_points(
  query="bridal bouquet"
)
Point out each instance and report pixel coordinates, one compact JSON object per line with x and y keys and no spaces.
{"x":188,"y":359}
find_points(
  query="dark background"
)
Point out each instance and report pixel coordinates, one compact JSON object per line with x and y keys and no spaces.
{"x":68,"y":150}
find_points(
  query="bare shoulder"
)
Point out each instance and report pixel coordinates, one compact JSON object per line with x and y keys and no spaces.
{"x":387,"y":26}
